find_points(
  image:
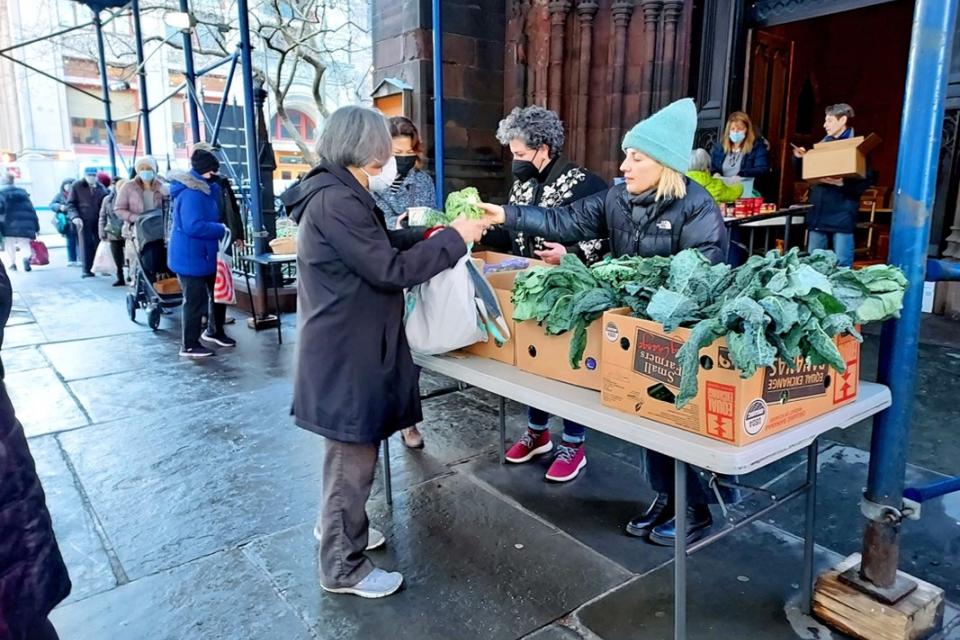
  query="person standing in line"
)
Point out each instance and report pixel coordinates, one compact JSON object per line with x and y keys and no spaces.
{"x":145,"y":191}
{"x":20,"y":225}
{"x":192,"y":253}
{"x":83,"y":207}
{"x":61,"y":221}
{"x":110,"y":229}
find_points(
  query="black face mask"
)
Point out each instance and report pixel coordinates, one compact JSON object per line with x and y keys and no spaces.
{"x":524,"y":170}
{"x":405,"y":164}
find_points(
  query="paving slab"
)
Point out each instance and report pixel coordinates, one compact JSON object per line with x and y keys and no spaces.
{"x":43,"y":403}
{"x":738,"y":588}
{"x":594,"y":508}
{"x":193,"y":480}
{"x":23,"y":335}
{"x":81,"y":547}
{"x":220,"y":597}
{"x":22,"y":359}
{"x":466,"y":578}
{"x":139,"y":352}
{"x":554,"y":632}
{"x":930,"y":548}
{"x":76,"y":311}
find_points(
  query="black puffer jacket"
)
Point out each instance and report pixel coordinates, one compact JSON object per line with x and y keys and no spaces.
{"x":33,"y":578}
{"x":661,"y":229}
{"x":18,"y":215}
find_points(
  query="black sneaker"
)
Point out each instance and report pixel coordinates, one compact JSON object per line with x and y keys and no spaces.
{"x":87,"y":274}
{"x":26,"y":265}
{"x":221,"y":339}
{"x":196,"y":352}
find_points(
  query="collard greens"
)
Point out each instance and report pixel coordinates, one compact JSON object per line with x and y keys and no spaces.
{"x":773,"y":306}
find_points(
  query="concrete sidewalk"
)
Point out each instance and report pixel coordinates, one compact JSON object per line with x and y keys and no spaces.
{"x":184,"y":500}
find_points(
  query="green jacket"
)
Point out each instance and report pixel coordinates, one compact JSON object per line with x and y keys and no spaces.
{"x":720,"y":190}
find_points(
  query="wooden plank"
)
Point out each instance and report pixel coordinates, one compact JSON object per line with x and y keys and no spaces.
{"x":848,"y":610}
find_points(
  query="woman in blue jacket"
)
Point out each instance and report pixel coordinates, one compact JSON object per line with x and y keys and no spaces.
{"x":194,"y":241}
{"x":742,"y":152}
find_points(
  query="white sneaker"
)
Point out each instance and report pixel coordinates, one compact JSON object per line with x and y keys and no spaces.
{"x":375,"y":538}
{"x":377,"y":584}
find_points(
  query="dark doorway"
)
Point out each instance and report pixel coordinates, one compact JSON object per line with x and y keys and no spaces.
{"x":795,"y":70}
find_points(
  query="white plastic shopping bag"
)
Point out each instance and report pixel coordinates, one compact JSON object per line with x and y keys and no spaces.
{"x":441,"y":314}
{"x":103,"y":260}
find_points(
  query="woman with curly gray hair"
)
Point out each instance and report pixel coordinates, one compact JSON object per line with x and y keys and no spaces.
{"x":543,"y":178}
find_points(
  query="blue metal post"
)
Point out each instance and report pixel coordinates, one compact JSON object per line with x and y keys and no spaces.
{"x":922,"y":124}
{"x":105,"y":82}
{"x":142,"y":81}
{"x":191,"y":76}
{"x":223,"y":102}
{"x":250,"y":130}
{"x":438,"y":100}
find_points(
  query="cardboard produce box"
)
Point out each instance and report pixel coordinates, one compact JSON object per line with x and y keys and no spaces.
{"x":494,"y":258}
{"x":549,"y":356}
{"x":502,"y":284}
{"x":839,"y":158}
{"x":641,"y":377}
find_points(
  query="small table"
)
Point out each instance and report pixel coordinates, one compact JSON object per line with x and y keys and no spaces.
{"x":787,"y":217}
{"x":274,"y":262}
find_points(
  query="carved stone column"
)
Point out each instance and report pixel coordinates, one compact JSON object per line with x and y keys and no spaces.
{"x":586,"y":11}
{"x":622,"y":10}
{"x":515,"y":58}
{"x":672,"y":11}
{"x":558,"y":19}
{"x":651,"y":18}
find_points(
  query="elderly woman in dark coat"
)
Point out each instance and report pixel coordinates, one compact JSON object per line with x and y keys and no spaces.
{"x":33,"y":578}
{"x":355,"y":381}
{"x":656,"y":212}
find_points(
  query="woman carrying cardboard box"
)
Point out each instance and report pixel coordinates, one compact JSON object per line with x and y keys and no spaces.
{"x":836,"y":201}
{"x":656,"y":212}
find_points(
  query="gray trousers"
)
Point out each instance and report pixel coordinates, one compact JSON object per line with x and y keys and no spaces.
{"x":347,"y":479}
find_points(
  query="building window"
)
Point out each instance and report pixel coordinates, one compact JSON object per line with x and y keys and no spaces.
{"x":300,"y":121}
{"x":94,"y":131}
{"x":285,"y":175}
{"x":179,"y":135}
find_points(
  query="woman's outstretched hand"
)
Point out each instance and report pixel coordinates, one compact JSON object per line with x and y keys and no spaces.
{"x":494,"y":213}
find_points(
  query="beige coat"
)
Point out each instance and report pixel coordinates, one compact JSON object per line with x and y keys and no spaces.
{"x":129,"y":203}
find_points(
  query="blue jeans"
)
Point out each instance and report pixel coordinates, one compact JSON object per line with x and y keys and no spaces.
{"x":842,"y":245}
{"x":71,"y":236}
{"x":572,"y":432}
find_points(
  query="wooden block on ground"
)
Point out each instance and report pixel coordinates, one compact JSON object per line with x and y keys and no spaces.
{"x":853,"y":612}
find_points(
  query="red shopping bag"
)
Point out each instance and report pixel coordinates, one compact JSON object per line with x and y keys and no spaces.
{"x":223,"y":289}
{"x":39,"y":256}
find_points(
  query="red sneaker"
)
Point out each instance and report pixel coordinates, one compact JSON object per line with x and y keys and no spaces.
{"x":533,"y":443}
{"x":567,"y":464}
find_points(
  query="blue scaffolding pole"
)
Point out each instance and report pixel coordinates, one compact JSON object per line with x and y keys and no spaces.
{"x":105,"y":81}
{"x":921,"y":128}
{"x":438,"y":141}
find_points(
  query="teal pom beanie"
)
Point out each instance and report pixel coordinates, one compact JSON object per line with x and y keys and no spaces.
{"x":667,"y":135}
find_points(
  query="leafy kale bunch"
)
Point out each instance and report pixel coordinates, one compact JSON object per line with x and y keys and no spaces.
{"x":774,"y":306}
{"x":459,"y":204}
{"x":571,"y":296}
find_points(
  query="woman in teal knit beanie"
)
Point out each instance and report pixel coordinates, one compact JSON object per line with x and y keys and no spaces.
{"x":657,"y":211}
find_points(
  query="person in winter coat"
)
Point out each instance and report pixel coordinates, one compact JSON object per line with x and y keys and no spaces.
{"x":192,"y":255}
{"x":230,"y":213}
{"x":832,"y":222}
{"x":699,"y":172}
{"x":655,"y":212}
{"x":413,"y":186}
{"x":110,"y":229}
{"x":20,"y":224}
{"x":355,"y":382}
{"x":33,"y":577}
{"x":742,"y":152}
{"x":83,"y":207}
{"x":542,"y":177}
{"x":61,"y":221}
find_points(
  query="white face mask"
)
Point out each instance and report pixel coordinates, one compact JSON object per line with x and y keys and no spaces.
{"x":383,"y":180}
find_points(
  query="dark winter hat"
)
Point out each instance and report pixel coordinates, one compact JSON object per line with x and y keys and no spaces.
{"x":204,"y":161}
